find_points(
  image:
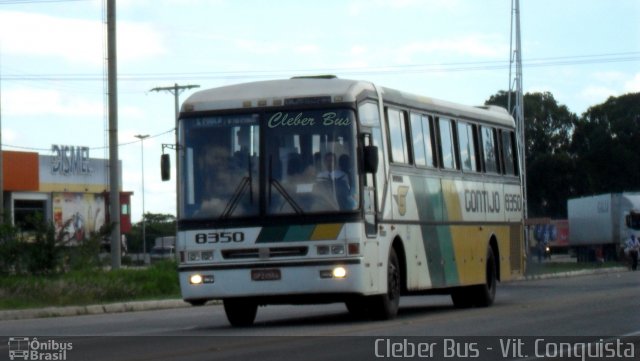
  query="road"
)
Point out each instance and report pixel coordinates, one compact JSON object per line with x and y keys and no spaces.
{"x":602,"y":308}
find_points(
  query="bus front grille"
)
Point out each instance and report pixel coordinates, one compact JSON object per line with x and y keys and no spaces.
{"x":263,"y":253}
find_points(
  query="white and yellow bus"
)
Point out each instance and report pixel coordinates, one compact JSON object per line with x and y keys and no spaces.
{"x":319,"y":189}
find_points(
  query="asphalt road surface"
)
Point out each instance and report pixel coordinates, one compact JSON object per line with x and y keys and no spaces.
{"x":544,"y":319}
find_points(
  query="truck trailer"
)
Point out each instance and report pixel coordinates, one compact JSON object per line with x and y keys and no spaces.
{"x":599,"y":225}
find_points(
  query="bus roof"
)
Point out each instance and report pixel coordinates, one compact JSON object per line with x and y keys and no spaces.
{"x":328,"y":89}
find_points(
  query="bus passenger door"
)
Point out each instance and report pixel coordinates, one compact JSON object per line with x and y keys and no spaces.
{"x":370,"y":226}
{"x":369,"y":192}
{"x":370,"y":207}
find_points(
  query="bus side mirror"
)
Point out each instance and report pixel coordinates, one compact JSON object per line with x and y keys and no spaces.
{"x":370,"y":159}
{"x":165,"y":167}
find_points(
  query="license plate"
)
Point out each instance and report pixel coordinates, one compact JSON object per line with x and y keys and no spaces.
{"x":268,"y":274}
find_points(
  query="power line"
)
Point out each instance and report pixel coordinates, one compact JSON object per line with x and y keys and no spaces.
{"x":90,"y":148}
{"x":374,"y":70}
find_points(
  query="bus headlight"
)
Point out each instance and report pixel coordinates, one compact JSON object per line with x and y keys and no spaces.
{"x":198,"y":279}
{"x":195,"y":279}
{"x":337,"y":272}
{"x":337,"y":249}
{"x":334,"y":249}
{"x":198,"y":256}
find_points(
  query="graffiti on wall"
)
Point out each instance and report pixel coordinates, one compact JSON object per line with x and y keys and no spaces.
{"x":77,"y":216}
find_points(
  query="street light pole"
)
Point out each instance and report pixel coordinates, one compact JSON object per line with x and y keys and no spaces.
{"x":144,"y":222}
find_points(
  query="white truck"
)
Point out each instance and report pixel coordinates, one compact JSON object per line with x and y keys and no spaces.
{"x":599,"y":225}
{"x":164,"y":248}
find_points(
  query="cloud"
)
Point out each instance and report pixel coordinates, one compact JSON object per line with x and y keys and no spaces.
{"x":358,"y":7}
{"x":308,"y":49}
{"x":258,"y":47}
{"x":8,"y":135}
{"x":24,"y":101}
{"x":633,"y":85}
{"x":29,"y":102}
{"x":594,"y":94}
{"x":609,"y":76}
{"x":485,"y":46}
{"x":610,"y":83}
{"x":79,"y":41}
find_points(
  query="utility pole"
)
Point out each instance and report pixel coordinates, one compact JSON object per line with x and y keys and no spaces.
{"x":114,"y":169}
{"x":175,"y":90}
{"x":515,"y":89}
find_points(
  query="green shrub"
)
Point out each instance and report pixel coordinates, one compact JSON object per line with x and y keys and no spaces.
{"x":42,"y":256}
{"x":86,"y":286}
{"x":10,"y":249}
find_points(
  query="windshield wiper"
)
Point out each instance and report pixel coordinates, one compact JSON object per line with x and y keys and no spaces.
{"x":237,"y":194}
{"x":247,"y":181}
{"x":283,"y":192}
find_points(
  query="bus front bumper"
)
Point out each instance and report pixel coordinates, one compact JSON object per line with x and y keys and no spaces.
{"x":266,"y":280}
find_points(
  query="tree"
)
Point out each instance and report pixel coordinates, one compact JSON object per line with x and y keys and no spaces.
{"x":550,"y":167}
{"x":156,"y":225}
{"x":606,"y":143}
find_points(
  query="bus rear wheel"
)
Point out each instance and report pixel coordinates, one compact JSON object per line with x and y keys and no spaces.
{"x":240,"y":312}
{"x":479,"y":295}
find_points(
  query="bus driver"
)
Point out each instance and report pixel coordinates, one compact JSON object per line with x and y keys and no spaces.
{"x":337,"y":181}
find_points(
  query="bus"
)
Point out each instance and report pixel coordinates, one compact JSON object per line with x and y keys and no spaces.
{"x":321,"y":189}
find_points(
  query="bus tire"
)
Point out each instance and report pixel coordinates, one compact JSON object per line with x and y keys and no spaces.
{"x":484,"y":295}
{"x":358,"y":308}
{"x":385,"y":307}
{"x":198,"y":302}
{"x":480,"y":295}
{"x":461,"y":297}
{"x":240,"y":312}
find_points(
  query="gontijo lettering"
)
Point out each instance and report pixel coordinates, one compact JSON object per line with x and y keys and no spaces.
{"x":481,"y":201}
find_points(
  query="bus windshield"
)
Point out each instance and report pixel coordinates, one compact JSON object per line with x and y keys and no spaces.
{"x":276,"y":163}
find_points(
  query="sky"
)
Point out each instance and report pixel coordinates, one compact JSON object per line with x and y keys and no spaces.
{"x":52,"y":61}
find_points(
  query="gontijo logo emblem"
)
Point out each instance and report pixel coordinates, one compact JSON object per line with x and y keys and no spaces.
{"x":32,"y":349}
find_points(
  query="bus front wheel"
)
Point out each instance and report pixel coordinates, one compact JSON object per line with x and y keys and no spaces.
{"x":385,"y":306}
{"x":240,"y":312}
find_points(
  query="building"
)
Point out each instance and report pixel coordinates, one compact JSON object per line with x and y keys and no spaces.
{"x":68,"y":188}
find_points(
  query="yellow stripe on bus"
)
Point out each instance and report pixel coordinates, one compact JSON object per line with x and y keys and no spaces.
{"x":326,"y":231}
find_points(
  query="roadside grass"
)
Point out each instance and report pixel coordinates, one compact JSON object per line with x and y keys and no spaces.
{"x":90,"y":286}
{"x":158,"y":281}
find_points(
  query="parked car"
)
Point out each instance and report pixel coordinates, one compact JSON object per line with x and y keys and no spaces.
{"x":159,"y":253}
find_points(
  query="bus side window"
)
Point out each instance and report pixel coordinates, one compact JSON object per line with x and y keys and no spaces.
{"x":422,"y":141}
{"x":398,"y":136}
{"x":509,"y":160}
{"x":467,"y":147}
{"x":368,"y":114}
{"x":447,"y":144}
{"x":489,"y":149}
